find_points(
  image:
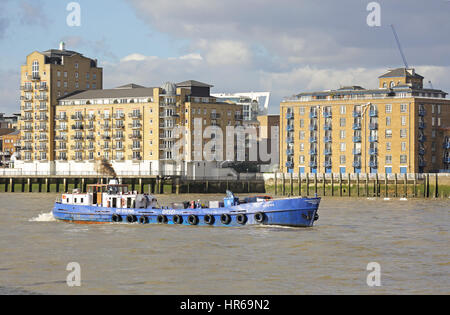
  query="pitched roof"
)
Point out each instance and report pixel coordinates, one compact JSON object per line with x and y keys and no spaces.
{"x":401,"y":72}
{"x":130,"y":86}
{"x":110,"y":93}
{"x":191,"y":83}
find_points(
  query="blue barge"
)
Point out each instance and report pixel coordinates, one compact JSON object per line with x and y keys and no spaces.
{"x":113,"y":203}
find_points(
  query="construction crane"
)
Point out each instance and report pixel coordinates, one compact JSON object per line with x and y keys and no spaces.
{"x":399,"y":46}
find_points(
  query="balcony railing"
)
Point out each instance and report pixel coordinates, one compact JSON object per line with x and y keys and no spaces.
{"x":290,"y":140}
{"x":327,"y":139}
{"x":373,"y":113}
{"x":27,"y":108}
{"x":290,"y":128}
{"x":446,"y":145}
{"x":312,"y":164}
{"x":357,"y":126}
{"x":373,"y":126}
{"x":135,"y":126}
{"x":313,"y":115}
{"x":356,"y":151}
{"x":77,"y":117}
{"x":26,"y":88}
{"x":422,"y":125}
{"x":313,"y":152}
{"x":373,"y":151}
{"x":356,"y":114}
{"x":289,"y":164}
{"x":313,"y":139}
{"x":135,"y":115}
{"x":422,"y":112}
{"x":135,"y":137}
{"x":327,"y":114}
{"x":289,"y":152}
{"x":77,"y":127}
{"x":422,"y":139}
{"x":61,"y":118}
{"x":327,"y":152}
{"x":373,"y":139}
{"x":327,"y":127}
{"x":357,"y":139}
{"x":357,"y":164}
{"x":313,"y":127}
{"x":289,"y":116}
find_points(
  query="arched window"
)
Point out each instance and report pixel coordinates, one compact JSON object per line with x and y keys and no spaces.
{"x":384,"y":85}
{"x":392,"y":84}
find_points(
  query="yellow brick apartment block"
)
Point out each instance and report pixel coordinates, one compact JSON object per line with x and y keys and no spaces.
{"x":397,"y":128}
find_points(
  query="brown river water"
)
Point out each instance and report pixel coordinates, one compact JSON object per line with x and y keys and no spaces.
{"x":409,"y":239}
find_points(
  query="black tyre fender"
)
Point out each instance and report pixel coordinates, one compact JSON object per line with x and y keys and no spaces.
{"x":193,"y":219}
{"x":260,"y":217}
{"x":209,"y":219}
{"x":162,"y":219}
{"x":116,"y":218}
{"x":131,"y":218}
{"x":225,"y":219}
{"x":241,"y":219}
{"x":177,"y":219}
{"x":143,"y":220}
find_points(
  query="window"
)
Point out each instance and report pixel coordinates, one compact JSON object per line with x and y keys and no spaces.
{"x":302,"y":147}
{"x":433,"y":146}
{"x":388,"y":121}
{"x":343,"y":110}
{"x":342,"y":122}
{"x":388,"y":133}
{"x":343,"y":159}
{"x":65,"y":74}
{"x":76,"y":66}
{"x":433,"y":121}
{"x":58,"y":74}
{"x":302,"y":111}
{"x":403,"y":118}
{"x":403,"y":133}
{"x":439,"y":109}
{"x":403,"y":146}
{"x":342,"y":133}
{"x":302,"y":159}
{"x":343,"y":147}
{"x":432,"y":108}
{"x":76,"y":75}
{"x":388,"y":159}
{"x":388,"y":146}
{"x":439,"y":121}
{"x":302,"y":123}
{"x":403,"y":159}
{"x":403,"y":108}
{"x":388,"y":108}
{"x":433,"y":133}
{"x":302,"y":135}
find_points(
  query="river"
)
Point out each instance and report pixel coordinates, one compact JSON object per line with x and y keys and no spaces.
{"x":408,"y":239}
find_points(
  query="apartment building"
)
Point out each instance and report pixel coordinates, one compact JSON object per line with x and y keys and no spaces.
{"x":392,"y":129}
{"x":9,"y":145}
{"x":136,"y":128}
{"x":46,"y":77}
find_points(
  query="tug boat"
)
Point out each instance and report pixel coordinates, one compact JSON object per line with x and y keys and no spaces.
{"x":114,"y":203}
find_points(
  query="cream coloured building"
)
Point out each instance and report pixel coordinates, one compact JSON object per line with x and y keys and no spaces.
{"x":392,"y":129}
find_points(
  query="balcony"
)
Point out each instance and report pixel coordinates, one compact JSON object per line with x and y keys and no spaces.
{"x":77,"y":138}
{"x":27,"y":148}
{"x":290,"y":128}
{"x":421,"y":151}
{"x":135,"y":137}
{"x":106,"y":148}
{"x":135,"y":148}
{"x":446,"y":146}
{"x":327,"y":127}
{"x":78,"y":158}
{"x":313,"y":152}
{"x":42,"y":87}
{"x":90,"y":117}
{"x":61,"y":148}
{"x":357,"y":139}
{"x":357,"y":126}
{"x":422,"y":112}
{"x":119,"y":116}
{"x":135,"y":158}
{"x":290,"y":152}
{"x":373,"y":113}
{"x":328,"y":152}
{"x":313,"y":139}
{"x":422,"y":138}
{"x":373,"y":164}
{"x":91,"y":148}
{"x":34,"y":77}
{"x":27,"y":108}
{"x":42,"y":139}
{"x":289,"y":164}
{"x":327,"y":114}
{"x":373,"y":139}
{"x":26,"y":88}
{"x":90,"y":137}
{"x":327,"y":164}
{"x":118,"y":127}
{"x":135,"y":115}
{"x":422,"y":163}
{"x":357,"y":164}
{"x":422,"y":125}
{"x":356,"y":114}
{"x":135,"y":126}
{"x":27,"y":118}
{"x":327,"y":139}
{"x":290,"y":140}
{"x":312,"y":164}
{"x":215,"y":116}
{"x":90,"y":127}
{"x":373,"y":151}
{"x":77,"y":127}
{"x":447,"y":160}
{"x":42,"y":118}
{"x":42,"y":108}
{"x":356,"y":151}
{"x":106,"y":137}
{"x":61,"y":138}
{"x":61,"y":118}
{"x":119,"y":137}
{"x":118,"y":148}
{"x":373,"y":126}
{"x":238,"y":117}
{"x":77,"y":117}
{"x":61,"y":128}
{"x":106,"y":127}
{"x":42,"y":128}
{"x":313,"y":127}
{"x":289,"y":116}
{"x":105,"y":117}
{"x":313,"y":115}
{"x":42,"y":97}
{"x":77,"y":148}
{"x":27,"y":128}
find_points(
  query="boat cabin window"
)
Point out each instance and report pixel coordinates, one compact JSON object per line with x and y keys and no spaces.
{"x":116,"y":189}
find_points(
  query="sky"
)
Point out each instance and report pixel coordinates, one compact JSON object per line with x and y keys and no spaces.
{"x":281,"y":46}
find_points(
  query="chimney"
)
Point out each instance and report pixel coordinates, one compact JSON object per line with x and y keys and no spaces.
{"x":62,"y":46}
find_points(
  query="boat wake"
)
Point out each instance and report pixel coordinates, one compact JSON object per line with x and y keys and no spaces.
{"x":44,"y":217}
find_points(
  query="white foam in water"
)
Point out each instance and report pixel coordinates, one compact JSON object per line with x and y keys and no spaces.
{"x":44,"y":217}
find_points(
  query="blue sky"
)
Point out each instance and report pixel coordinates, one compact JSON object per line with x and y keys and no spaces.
{"x":281,"y":46}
